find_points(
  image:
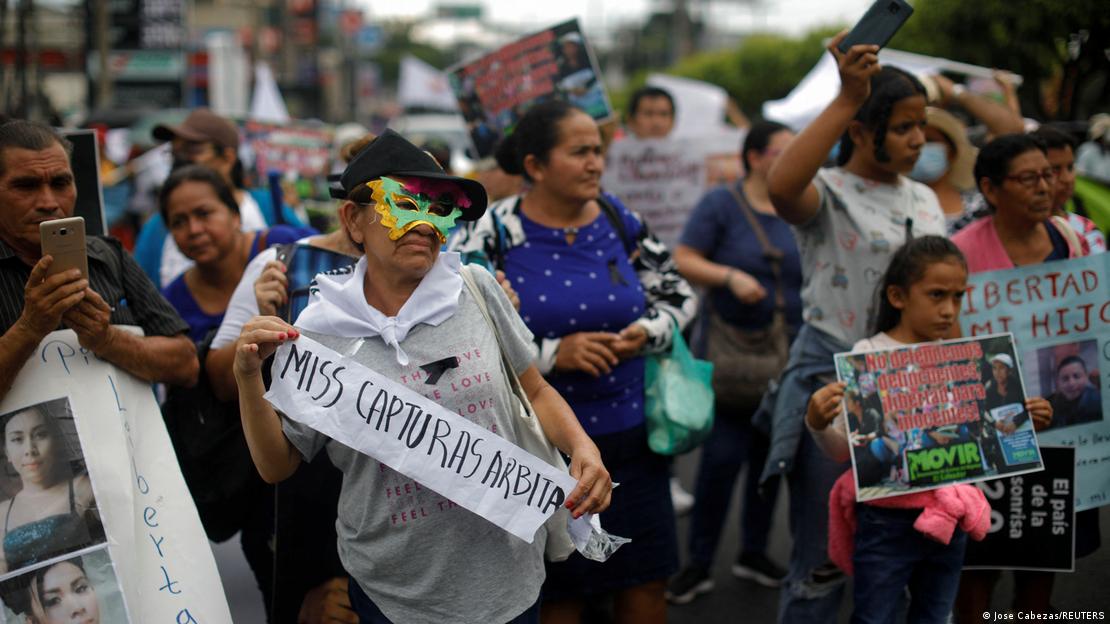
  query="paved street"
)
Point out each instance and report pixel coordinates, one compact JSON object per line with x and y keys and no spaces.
{"x":734,"y":600}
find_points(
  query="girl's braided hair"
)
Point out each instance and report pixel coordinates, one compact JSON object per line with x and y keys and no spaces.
{"x":888,"y":87}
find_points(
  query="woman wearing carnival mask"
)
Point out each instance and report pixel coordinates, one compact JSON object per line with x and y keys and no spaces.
{"x":408,"y":299}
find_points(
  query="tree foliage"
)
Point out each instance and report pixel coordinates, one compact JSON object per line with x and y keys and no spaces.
{"x":763,"y":67}
{"x":1029,"y":37}
{"x":399,"y":42}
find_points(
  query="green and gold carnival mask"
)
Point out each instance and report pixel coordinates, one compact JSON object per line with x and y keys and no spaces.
{"x":405,"y":203}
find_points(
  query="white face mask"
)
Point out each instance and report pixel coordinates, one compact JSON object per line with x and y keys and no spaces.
{"x":932,"y":164}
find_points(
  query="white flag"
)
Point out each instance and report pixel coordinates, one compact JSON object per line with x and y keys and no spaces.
{"x":267,"y":103}
{"x":424,"y":86}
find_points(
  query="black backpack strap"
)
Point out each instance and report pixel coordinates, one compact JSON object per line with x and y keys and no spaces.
{"x":611,"y":213}
{"x":284,"y":254}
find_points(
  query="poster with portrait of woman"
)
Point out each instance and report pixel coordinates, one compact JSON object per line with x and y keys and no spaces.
{"x":74,"y":424}
{"x":81,"y":588}
{"x":47,"y":505}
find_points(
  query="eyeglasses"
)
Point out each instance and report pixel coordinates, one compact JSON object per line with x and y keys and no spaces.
{"x":1029,"y":179}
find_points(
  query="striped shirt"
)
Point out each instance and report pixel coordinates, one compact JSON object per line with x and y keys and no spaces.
{"x":113,"y":274}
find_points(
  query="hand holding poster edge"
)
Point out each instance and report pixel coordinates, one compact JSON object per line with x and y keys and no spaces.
{"x":904,"y":448}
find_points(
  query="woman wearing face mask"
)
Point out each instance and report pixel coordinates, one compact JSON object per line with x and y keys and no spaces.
{"x":945,"y":165}
{"x":947,"y":158}
{"x":54,"y":511}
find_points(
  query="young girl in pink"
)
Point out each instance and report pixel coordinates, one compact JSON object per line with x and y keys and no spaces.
{"x":915,"y":540}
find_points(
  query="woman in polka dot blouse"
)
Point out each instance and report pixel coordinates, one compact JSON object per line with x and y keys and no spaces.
{"x":598,"y":291}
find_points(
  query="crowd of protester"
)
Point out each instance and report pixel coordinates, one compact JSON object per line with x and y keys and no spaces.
{"x":579,"y":293}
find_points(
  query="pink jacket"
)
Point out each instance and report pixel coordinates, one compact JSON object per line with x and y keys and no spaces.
{"x":942,"y":510}
{"x":984,"y":251}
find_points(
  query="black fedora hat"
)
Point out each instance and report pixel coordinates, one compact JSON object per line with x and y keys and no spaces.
{"x":392,"y":155}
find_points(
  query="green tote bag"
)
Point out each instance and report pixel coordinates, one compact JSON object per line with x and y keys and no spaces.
{"x":679,"y":399}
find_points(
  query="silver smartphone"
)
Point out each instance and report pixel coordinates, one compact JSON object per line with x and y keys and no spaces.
{"x":64,"y":239}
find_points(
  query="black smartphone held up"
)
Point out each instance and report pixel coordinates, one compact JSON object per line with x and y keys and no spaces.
{"x":878,"y":24}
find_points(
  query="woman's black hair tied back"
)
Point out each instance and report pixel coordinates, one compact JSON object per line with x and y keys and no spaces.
{"x":888,"y":87}
{"x":535,"y":134}
{"x":507,"y":156}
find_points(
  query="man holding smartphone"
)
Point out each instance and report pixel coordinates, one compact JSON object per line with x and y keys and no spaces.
{"x":36,"y":185}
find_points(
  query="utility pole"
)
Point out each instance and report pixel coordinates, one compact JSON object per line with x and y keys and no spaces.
{"x":682,"y":43}
{"x":5,"y":101}
{"x":104,"y":81}
{"x":21,"y":64}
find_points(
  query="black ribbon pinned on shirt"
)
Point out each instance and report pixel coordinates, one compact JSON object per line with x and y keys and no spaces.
{"x":615,"y":274}
{"x":435,"y":370}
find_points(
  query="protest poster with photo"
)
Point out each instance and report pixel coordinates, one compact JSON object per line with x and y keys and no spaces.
{"x":1032,"y":518}
{"x":115,"y":516}
{"x":494,"y":91}
{"x":78,"y":588}
{"x":48,"y":505}
{"x":663,"y":179}
{"x":926,"y":415}
{"x":1059,"y":314}
{"x":295,"y":147}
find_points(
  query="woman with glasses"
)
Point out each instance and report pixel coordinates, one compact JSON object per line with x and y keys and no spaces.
{"x":1018,"y":182}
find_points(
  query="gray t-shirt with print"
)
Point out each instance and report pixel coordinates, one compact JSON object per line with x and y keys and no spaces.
{"x":847,"y":245}
{"x":416,"y":554}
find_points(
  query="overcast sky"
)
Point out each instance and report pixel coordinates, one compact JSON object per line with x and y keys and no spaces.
{"x":789,"y":16}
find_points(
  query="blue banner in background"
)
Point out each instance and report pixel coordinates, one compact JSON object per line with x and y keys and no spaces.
{"x":1059,"y":314}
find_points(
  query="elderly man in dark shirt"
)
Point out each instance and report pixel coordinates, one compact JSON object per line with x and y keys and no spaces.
{"x":36,"y":185}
